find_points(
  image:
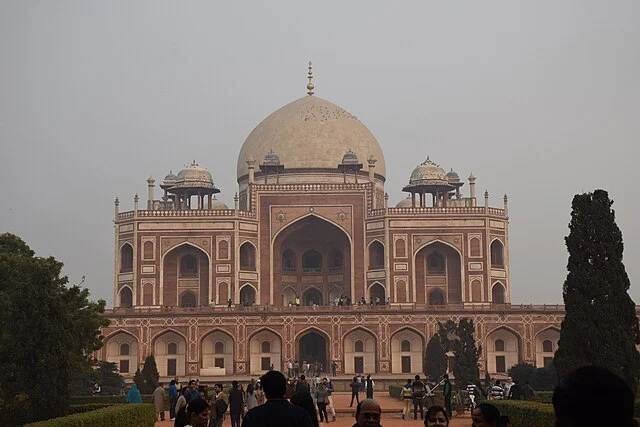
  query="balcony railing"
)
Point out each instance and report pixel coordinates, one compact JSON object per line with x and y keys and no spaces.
{"x":407,"y":308}
{"x":187,"y":213}
{"x":460,"y":210}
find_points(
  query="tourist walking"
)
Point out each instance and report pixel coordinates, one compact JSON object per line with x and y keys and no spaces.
{"x":236,"y":404}
{"x":220,"y":405}
{"x":133,"y":396}
{"x":158,"y":401}
{"x":407,"y":398}
{"x":303,"y":385}
{"x":173,"y":398}
{"x":330,"y":389}
{"x":355,"y":388}
{"x":446,"y":393}
{"x":252,"y":400}
{"x":322,"y":400}
{"x":418,"y":393}
{"x":370,"y":385}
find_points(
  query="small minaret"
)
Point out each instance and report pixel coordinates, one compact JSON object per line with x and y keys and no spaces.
{"x":386,"y":200}
{"x":486,"y":198}
{"x":135,"y":204}
{"x":506,"y":205}
{"x":235,"y":201}
{"x":116,"y":205}
{"x":371,"y":161}
{"x":472,"y":189}
{"x":151,"y":184}
{"x":310,"y":86}
{"x":251,"y":164}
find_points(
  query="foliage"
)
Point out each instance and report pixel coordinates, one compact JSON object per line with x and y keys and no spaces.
{"x":600,"y":326}
{"x":128,"y":415}
{"x":149,"y":377}
{"x":544,"y":379}
{"x":459,"y":338}
{"x":435,"y":359}
{"x":521,"y":372}
{"x":109,"y":400}
{"x":105,"y":374}
{"x":526,"y":414}
{"x":47,"y":331}
{"x":86,"y":407}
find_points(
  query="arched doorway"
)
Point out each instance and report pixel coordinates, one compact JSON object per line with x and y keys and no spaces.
{"x":311,"y":250}
{"x":377,"y":294}
{"x":312,"y":297}
{"x":313,"y":348}
{"x":185,"y":267}
{"x":247,"y":295}
{"x":438,"y":265}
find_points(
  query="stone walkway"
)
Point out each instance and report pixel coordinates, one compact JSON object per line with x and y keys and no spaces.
{"x":391,"y":413}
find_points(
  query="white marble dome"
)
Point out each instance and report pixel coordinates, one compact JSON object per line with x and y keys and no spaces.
{"x":218,"y":204}
{"x":406,"y":203}
{"x":310,"y":133}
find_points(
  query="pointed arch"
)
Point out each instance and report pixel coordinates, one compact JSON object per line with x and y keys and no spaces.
{"x":168,"y":361}
{"x":312,"y":261}
{"x":248,"y":294}
{"x":125,"y":297}
{"x":289,"y":260}
{"x":500,"y":359}
{"x":456,"y":290}
{"x":365,"y":360}
{"x":497,"y":253}
{"x":260,"y":361}
{"x":407,"y":351}
{"x":545,"y":344}
{"x":436,"y":297}
{"x":376,"y":252}
{"x":312,"y":296}
{"x":114,"y":346}
{"x":498,"y":293}
{"x":188,"y":299}
{"x":126,"y":258}
{"x":377,"y":293}
{"x":170,"y":269}
{"x":289,"y":295}
{"x":217,"y":347}
{"x":248,"y":252}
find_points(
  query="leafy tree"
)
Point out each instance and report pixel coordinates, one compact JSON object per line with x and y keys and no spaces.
{"x":521,"y":372}
{"x":600,"y":326}
{"x":544,"y":379}
{"x":149,"y":376}
{"x":435,"y":359}
{"x":105,"y":374}
{"x":47,"y":331}
{"x":459,"y":338}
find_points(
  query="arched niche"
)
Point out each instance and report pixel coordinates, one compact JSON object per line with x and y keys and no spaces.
{"x":377,"y":294}
{"x":360,"y":358}
{"x":247,"y":295}
{"x":126,"y":297}
{"x":407,"y":352}
{"x":217,"y":354}
{"x":170,"y":349}
{"x":376,"y":255}
{"x":498,"y":293}
{"x":126,"y":258}
{"x":261,"y":361}
{"x":185,"y":267}
{"x":503,"y":350}
{"x":497,"y":254}
{"x":121,"y":348}
{"x":438,"y":265}
{"x":247,"y":257}
{"x":546,"y":344}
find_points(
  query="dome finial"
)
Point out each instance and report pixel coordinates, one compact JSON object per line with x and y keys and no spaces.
{"x":310,"y":77}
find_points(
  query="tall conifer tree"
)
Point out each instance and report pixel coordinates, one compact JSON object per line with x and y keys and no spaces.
{"x":435,"y":359}
{"x":600,"y":325}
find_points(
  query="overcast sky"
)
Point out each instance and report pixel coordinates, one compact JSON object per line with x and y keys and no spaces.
{"x":539,"y":99}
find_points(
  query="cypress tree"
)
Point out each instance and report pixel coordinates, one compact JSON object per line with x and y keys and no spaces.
{"x":150,"y":375}
{"x":459,"y":338}
{"x":435,"y":362}
{"x":600,"y":326}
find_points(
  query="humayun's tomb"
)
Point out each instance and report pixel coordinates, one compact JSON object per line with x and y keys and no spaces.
{"x":311,"y":231}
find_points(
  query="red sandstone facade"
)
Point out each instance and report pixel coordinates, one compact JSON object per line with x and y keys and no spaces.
{"x":309,"y":228}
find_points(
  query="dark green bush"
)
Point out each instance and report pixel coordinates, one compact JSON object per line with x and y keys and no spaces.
{"x":526,"y":413}
{"x":542,"y":397}
{"x":127,"y":415}
{"x":86,"y":407}
{"x":112,"y":400}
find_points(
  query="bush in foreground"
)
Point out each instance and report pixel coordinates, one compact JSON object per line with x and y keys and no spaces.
{"x":127,"y":415}
{"x":526,"y":414}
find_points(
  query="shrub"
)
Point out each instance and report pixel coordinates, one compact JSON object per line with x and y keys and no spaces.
{"x":86,"y":407}
{"x":127,"y":415}
{"x":525,"y":413}
{"x":112,"y":400}
{"x":542,"y":397}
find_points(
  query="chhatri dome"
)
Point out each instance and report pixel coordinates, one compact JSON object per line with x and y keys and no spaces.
{"x":310,"y":133}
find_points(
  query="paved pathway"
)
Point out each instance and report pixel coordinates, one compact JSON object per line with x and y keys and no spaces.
{"x":391,"y":414}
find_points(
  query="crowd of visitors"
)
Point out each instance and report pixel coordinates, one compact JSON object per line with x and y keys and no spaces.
{"x":274,"y":400}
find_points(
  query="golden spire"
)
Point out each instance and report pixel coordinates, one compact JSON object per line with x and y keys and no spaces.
{"x":310,"y":77}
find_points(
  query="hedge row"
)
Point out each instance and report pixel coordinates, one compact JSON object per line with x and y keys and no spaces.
{"x":128,"y":415}
{"x":526,"y":413}
{"x":113,"y":400}
{"x":86,"y":407}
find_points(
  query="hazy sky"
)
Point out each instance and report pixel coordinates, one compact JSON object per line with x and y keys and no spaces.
{"x":539,"y":99}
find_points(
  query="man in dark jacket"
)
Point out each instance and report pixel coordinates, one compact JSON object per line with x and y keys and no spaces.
{"x":236,"y":404}
{"x":418,"y":392}
{"x":303,"y":386}
{"x":277,"y":411}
